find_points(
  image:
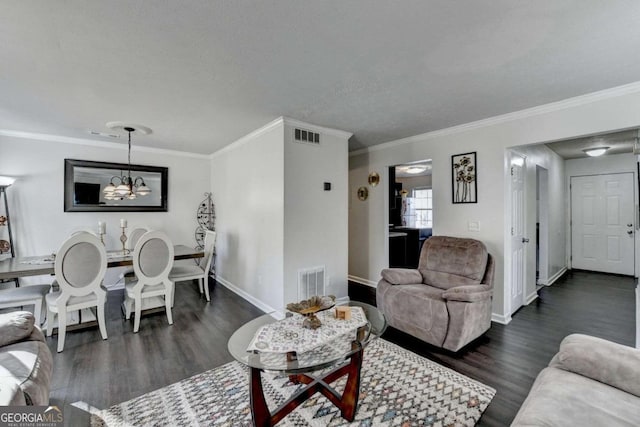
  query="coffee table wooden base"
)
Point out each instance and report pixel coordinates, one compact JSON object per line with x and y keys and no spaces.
{"x":347,"y":403}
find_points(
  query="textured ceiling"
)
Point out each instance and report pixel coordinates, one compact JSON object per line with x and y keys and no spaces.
{"x":618,"y":143}
{"x":203,"y":73}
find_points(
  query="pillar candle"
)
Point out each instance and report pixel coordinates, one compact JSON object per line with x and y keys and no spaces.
{"x":102,"y":227}
{"x":123,"y":223}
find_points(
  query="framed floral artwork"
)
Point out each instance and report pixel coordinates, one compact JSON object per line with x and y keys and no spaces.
{"x":465,"y":178}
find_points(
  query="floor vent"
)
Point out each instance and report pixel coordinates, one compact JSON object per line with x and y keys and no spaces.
{"x":310,"y":282}
{"x":306,"y":136}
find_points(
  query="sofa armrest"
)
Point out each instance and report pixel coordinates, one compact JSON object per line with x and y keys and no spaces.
{"x":468,"y":293}
{"x":607,"y":362}
{"x":401,"y":276}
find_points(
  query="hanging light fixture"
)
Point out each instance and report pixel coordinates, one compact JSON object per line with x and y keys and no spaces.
{"x":123,"y":186}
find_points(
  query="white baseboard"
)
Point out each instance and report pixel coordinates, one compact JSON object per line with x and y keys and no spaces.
{"x":531,"y":298}
{"x":253,"y":300}
{"x":362,"y":281}
{"x":502,"y":319}
{"x":551,"y":280}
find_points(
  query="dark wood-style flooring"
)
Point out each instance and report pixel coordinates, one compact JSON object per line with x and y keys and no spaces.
{"x":507,"y":358}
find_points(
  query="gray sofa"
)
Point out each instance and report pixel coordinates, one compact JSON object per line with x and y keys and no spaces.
{"x":590,"y":382}
{"x":447,"y":300}
{"x":25,"y":361}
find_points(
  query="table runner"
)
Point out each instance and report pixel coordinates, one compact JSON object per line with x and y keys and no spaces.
{"x":288,"y":334}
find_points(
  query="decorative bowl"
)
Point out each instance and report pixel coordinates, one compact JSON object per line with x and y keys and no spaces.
{"x":310,"y":307}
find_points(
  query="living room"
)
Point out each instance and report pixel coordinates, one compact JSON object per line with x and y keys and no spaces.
{"x":224,"y":88}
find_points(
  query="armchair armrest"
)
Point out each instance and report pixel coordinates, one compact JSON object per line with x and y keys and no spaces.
{"x":610,"y":363}
{"x":401,"y":276}
{"x":468,"y":293}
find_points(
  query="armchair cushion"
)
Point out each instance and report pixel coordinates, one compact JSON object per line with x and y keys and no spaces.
{"x":469,"y":293}
{"x":604,"y":361}
{"x":401,"y":276}
{"x":15,"y":326}
{"x":447,"y":262}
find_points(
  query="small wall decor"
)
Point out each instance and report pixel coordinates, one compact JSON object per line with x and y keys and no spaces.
{"x":464,"y":178}
{"x":363,"y":193}
{"x":374,"y":179}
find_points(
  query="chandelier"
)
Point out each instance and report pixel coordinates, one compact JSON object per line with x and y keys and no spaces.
{"x":124,"y":186}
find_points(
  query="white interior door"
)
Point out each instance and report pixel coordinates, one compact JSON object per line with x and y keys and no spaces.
{"x":518,"y":238}
{"x":602,"y":223}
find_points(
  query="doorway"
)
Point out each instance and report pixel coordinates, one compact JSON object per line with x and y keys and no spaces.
{"x":542,"y":225}
{"x":602,"y":223}
{"x":410,"y":212}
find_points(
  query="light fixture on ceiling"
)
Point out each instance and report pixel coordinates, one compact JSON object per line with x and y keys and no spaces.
{"x":596,"y":151}
{"x":123,"y":186}
{"x":415,"y":169}
{"x":6,"y":181}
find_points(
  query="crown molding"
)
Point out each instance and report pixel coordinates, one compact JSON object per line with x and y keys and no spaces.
{"x":577,"y":101}
{"x":95,"y":143}
{"x":248,"y":137}
{"x":315,"y":128}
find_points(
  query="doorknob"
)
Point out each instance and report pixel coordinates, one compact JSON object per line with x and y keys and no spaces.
{"x":629,"y":232}
{"x":629,"y":225}
{"x":525,"y":240}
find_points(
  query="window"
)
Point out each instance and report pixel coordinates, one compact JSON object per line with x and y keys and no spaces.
{"x":423,"y":207}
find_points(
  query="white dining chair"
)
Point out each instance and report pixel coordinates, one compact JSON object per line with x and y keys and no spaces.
{"x":132,"y":239}
{"x":181,"y":273}
{"x":80,"y":266}
{"x":152,"y":261}
{"x":25,"y":295}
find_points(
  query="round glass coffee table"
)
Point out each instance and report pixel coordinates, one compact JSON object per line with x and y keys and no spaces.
{"x":343,"y":353}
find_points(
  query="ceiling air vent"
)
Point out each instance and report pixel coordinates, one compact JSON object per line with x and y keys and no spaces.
{"x":306,"y":136}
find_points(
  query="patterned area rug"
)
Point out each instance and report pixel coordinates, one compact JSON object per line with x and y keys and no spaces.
{"x":398,"y":388}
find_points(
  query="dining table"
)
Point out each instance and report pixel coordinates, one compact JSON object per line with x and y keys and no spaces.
{"x":15,"y":268}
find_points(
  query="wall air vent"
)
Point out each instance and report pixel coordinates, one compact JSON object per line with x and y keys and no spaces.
{"x":306,"y":136}
{"x":310,"y":282}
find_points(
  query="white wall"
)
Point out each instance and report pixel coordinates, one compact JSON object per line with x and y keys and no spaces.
{"x":36,"y":198}
{"x":316,"y":221}
{"x":616,"y":163}
{"x":368,"y":254}
{"x":541,"y":155}
{"x":247,"y":182}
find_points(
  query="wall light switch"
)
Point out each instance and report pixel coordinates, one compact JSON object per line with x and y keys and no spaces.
{"x":473,"y":225}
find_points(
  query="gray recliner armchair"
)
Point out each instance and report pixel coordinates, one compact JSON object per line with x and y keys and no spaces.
{"x":447,"y":300}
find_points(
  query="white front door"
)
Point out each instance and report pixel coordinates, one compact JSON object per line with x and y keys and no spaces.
{"x":602,"y":223}
{"x":518,"y":238}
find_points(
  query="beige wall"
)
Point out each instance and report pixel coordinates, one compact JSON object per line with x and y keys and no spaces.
{"x":368,"y":253}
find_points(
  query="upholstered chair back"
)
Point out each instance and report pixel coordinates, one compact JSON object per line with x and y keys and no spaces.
{"x":153,"y":258}
{"x":80,"y":264}
{"x":135,"y":235}
{"x":447,"y":262}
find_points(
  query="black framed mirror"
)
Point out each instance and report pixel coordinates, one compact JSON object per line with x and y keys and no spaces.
{"x":99,"y":186}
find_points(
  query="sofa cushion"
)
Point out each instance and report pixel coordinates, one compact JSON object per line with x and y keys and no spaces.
{"x":15,"y":326}
{"x":561,"y":398}
{"x":447,"y":262}
{"x":601,"y":360}
{"x":27,"y":364}
{"x":401,"y":276}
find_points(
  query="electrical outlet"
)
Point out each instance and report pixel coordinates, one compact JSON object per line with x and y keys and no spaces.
{"x":473,"y":226}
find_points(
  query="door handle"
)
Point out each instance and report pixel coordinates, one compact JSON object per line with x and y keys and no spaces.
{"x":629,"y":225}
{"x":629,"y":232}
{"x":525,"y":240}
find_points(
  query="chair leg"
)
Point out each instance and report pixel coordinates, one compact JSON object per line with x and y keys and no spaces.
{"x":127,"y":307}
{"x":50,"y":318}
{"x":168,"y":303}
{"x":62,"y":329}
{"x":201,"y":285}
{"x":137,"y":307}
{"x":37,"y":311}
{"x":172,"y":294}
{"x":205,"y":284}
{"x":101,"y":321}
